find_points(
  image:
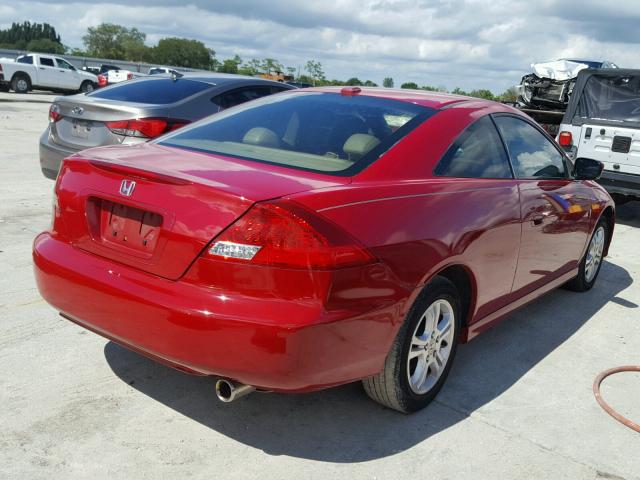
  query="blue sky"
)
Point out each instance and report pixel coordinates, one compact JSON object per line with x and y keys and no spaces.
{"x":450,"y":43}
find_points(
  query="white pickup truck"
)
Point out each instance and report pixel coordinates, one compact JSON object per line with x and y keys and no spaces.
{"x":44,"y":72}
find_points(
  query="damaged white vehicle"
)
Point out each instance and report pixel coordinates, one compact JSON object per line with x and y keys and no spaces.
{"x":550,"y":85}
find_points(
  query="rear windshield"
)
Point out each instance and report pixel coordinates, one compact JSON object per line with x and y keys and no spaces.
{"x":321,"y":132}
{"x":152,"y":91}
{"x":612,"y":99}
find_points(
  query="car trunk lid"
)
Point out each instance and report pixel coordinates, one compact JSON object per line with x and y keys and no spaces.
{"x":156,"y":208}
{"x":83,"y":120}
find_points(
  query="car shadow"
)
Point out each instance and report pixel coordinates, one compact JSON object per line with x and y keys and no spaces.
{"x":628,"y":214}
{"x":342,"y":424}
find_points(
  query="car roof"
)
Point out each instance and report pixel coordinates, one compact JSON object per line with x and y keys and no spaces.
{"x":215,"y":78}
{"x":436,"y":100}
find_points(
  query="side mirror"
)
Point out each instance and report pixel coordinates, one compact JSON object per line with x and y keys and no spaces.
{"x":587,"y":169}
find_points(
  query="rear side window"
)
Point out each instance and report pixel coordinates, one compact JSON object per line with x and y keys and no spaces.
{"x":477,"y":153}
{"x":152,"y":91}
{"x":615,"y":99}
{"x":47,"y":62}
{"x":532,"y":154}
{"x":26,"y":59}
{"x":321,"y":132}
{"x":242,"y":95}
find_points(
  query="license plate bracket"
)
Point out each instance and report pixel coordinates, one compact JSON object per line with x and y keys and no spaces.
{"x":129,"y":228}
{"x":80,"y":129}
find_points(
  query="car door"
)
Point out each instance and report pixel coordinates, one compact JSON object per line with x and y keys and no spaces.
{"x":48,"y":75}
{"x":487,"y":208}
{"x":555,"y":209}
{"x":68,"y":76}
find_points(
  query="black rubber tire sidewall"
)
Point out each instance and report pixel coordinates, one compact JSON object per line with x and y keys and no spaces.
{"x":580,"y":284}
{"x":439,"y":288}
{"x":14,"y":84}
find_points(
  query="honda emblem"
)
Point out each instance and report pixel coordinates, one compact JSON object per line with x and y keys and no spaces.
{"x":77,"y":110}
{"x":126,"y":187}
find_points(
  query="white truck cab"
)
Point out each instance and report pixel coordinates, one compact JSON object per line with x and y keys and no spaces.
{"x":602,"y":122}
{"x":44,"y":72}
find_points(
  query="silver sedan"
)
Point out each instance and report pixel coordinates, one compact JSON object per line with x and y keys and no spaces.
{"x":139,"y":110}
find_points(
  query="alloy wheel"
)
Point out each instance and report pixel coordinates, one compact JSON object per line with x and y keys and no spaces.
{"x":431,"y":346}
{"x":594,"y":254}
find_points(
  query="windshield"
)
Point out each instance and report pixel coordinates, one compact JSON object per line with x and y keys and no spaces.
{"x":610,"y":98}
{"x":152,"y":91}
{"x":322,"y":132}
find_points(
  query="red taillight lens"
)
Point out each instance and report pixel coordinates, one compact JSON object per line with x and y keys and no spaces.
{"x":102,"y":80}
{"x":144,"y":127}
{"x":54,"y":113}
{"x":129,"y":76}
{"x":284,"y":234}
{"x":565,"y":139}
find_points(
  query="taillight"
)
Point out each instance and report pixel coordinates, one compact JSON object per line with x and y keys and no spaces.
{"x":144,"y":127}
{"x":284,"y":234}
{"x":102,"y":80}
{"x":54,"y":113}
{"x":565,"y":139}
{"x":129,"y":76}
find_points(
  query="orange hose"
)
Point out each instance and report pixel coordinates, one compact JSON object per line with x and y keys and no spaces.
{"x":596,"y":391}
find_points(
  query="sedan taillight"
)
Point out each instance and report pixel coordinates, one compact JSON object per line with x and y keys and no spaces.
{"x":54,"y":113}
{"x":102,"y":80}
{"x":284,"y":234}
{"x":144,"y":127}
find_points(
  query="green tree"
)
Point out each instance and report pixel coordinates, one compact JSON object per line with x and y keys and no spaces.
{"x":114,"y":41}
{"x":459,"y":91}
{"x":412,"y":85}
{"x":25,"y":32}
{"x":315,"y":71}
{"x":45,"y":45}
{"x":271,"y":65}
{"x":429,"y":88}
{"x":387,"y":82}
{"x":509,"y":95}
{"x":230,"y":65}
{"x":251,"y":67}
{"x":181,"y":52}
{"x":369,"y":83}
{"x":353,"y":81}
{"x":482,"y":93}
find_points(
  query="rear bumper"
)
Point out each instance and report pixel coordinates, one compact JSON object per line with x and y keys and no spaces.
{"x":273,"y":344}
{"x":51,"y":156}
{"x":621,"y":183}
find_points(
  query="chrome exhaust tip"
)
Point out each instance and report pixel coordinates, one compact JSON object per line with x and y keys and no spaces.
{"x":227,"y":391}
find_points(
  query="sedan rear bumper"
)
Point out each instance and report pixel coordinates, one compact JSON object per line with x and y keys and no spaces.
{"x":273,"y":344}
{"x":51,"y":156}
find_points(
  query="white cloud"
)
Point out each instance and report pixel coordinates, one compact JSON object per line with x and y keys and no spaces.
{"x":466,"y":43}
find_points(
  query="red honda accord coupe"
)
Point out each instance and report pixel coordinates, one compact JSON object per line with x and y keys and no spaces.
{"x":322,"y":236}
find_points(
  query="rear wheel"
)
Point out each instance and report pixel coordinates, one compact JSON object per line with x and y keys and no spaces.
{"x":20,"y":84}
{"x":422,"y":354}
{"x":87,"y":86}
{"x":592,"y":260}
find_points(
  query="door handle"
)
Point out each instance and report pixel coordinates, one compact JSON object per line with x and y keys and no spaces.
{"x":41,"y":68}
{"x":538,"y":218}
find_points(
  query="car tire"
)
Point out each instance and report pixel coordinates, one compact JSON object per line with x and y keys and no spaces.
{"x":398,"y":386}
{"x":592,"y":260}
{"x":20,"y":83}
{"x":87,"y":87}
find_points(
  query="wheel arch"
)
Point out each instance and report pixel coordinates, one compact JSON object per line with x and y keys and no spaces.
{"x":22,"y":73}
{"x":464,"y":281}
{"x":609,"y":215}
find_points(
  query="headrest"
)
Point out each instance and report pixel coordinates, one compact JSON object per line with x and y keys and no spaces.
{"x":359,"y":144}
{"x":261,"y":136}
